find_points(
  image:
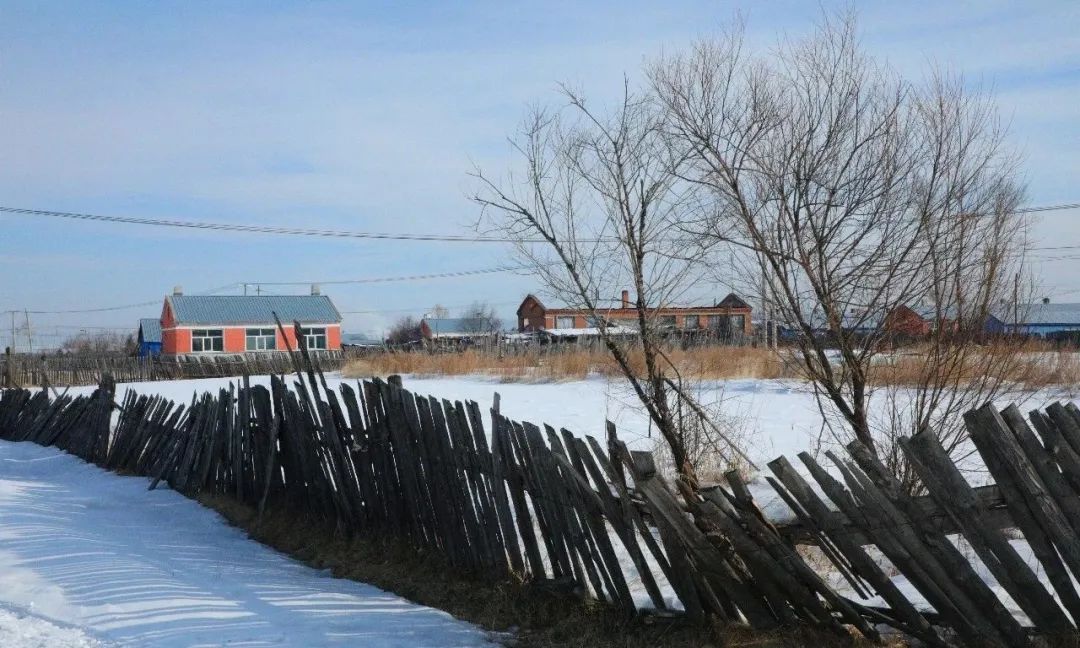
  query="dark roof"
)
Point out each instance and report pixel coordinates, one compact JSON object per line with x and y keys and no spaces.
{"x":455,"y":326}
{"x":534,"y":298}
{"x":733,"y":301}
{"x":253,"y":309}
{"x":150,"y":329}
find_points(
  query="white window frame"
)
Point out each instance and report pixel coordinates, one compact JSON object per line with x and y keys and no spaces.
{"x":260,"y":339}
{"x":315,"y":338}
{"x":204,"y":335}
{"x":560,"y":321}
{"x":696,"y":319}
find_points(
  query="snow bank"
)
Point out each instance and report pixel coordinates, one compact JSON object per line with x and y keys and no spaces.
{"x":98,"y":553}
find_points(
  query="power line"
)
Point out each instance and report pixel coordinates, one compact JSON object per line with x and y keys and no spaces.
{"x":420,"y":308}
{"x":370,"y":280}
{"x":384,"y":236}
{"x":104,"y":309}
{"x":257,"y":229}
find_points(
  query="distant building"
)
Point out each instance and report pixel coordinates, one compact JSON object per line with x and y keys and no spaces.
{"x":444,"y":331}
{"x":359,"y":340}
{"x":206,"y":324}
{"x":149,"y":337}
{"x":1043,"y":320}
{"x":729,"y":316}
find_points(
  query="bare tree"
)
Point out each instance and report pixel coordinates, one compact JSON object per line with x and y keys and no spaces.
{"x":99,"y":343}
{"x":405,"y":330}
{"x":852,"y":192}
{"x":480,"y":317}
{"x":595,"y":207}
{"x":439,"y":311}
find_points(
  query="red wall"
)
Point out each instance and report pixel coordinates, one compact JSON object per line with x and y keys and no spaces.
{"x":178,"y":340}
{"x":235,"y":339}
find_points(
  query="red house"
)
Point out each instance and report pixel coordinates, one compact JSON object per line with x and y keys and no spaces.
{"x":730,"y":314}
{"x":203,"y":324}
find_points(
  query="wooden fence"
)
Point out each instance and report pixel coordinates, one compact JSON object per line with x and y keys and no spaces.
{"x":590,"y":516}
{"x":25,"y":370}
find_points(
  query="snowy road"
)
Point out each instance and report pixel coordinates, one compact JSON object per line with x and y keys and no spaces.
{"x":88,"y":558}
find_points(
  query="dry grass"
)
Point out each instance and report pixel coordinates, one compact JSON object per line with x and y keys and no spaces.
{"x":1034,"y":365}
{"x":1031,"y":365}
{"x":714,"y":363}
{"x":517,"y":613}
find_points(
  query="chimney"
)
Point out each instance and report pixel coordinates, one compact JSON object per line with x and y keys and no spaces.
{"x":1046,"y":300}
{"x":177,"y":290}
{"x":626,"y":299}
{"x":315,"y":289}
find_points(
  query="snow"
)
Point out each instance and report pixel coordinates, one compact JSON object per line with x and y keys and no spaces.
{"x":776,"y":417}
{"x":21,"y":630}
{"x":89,"y":558}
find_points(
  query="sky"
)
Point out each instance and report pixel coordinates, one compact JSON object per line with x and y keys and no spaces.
{"x":370,"y":116}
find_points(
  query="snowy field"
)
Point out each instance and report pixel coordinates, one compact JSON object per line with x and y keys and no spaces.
{"x":89,"y":559}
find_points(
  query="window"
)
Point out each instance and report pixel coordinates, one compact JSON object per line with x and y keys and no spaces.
{"x":692,"y":321}
{"x":261,"y":339}
{"x":593,"y":322}
{"x":666,"y":321}
{"x":314,"y":338}
{"x":207,"y":340}
{"x":715,"y":322}
{"x":564,"y":322}
{"x":738,"y":323}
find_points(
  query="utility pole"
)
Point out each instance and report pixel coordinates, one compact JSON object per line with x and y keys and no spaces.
{"x":1016,"y":303}
{"x":13,"y":331}
{"x":29,"y":332}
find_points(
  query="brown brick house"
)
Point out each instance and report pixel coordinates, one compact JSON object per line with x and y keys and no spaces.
{"x":731,"y":314}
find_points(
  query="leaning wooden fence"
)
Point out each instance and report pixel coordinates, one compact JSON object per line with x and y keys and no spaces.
{"x":501,"y":497}
{"x":25,"y":370}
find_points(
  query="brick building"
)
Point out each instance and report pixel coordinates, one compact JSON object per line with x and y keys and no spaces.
{"x":204,"y":324}
{"x":730,"y":315}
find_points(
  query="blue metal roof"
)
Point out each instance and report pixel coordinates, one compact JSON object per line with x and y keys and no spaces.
{"x":1041,"y":314}
{"x":253,"y":309}
{"x":150,"y":329}
{"x":447,"y":325}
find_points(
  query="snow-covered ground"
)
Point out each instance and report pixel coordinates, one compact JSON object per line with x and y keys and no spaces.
{"x":89,"y":558}
{"x":776,"y":417}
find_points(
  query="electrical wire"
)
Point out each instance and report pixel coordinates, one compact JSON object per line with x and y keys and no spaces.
{"x":257,"y":229}
{"x":370,"y":280}
{"x":383,"y":236}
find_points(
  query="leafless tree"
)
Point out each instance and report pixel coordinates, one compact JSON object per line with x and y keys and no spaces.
{"x":852,"y":192}
{"x":595,"y":207}
{"x":101,"y":343}
{"x":404,"y":331}
{"x":480,"y":317}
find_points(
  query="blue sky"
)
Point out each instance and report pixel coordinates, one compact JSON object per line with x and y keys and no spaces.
{"x":369,"y":116}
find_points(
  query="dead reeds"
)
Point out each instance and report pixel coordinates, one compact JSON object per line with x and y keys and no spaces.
{"x":1037,"y":365}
